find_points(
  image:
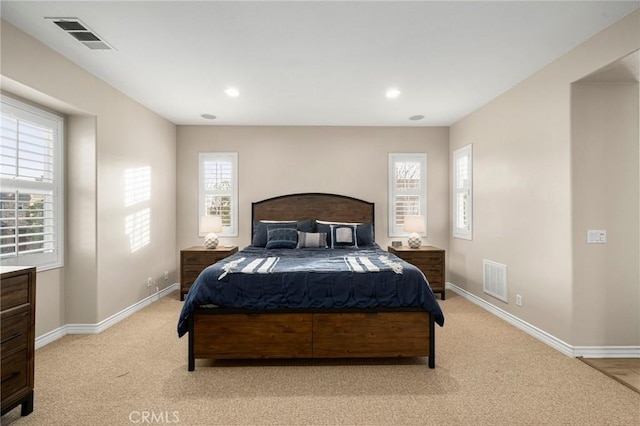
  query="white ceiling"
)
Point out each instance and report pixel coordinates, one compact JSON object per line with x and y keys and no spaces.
{"x":317,"y":63}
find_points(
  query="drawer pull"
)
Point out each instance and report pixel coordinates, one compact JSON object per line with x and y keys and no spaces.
{"x":11,"y":376}
{"x":13,"y":336}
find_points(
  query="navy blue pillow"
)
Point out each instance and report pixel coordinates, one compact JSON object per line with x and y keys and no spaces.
{"x":324,"y":227}
{"x":259,"y":237}
{"x":278,"y":237}
{"x":307,"y":225}
{"x":364,"y":232}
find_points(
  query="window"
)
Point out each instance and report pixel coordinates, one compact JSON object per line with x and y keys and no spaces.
{"x":219,"y":189}
{"x":462,"y":195}
{"x":31,"y":181}
{"x":407,"y":189}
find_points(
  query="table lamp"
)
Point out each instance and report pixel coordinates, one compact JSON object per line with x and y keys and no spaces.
{"x":211,"y":225}
{"x":415,"y":225}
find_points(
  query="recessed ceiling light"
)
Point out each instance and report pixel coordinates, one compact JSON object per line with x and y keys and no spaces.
{"x":232,"y":92}
{"x":393,"y":93}
{"x":208,"y":116}
{"x":416,"y":117}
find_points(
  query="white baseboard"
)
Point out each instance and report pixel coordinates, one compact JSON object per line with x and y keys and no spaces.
{"x":543,"y":336}
{"x":607,"y":351}
{"x":59,"y":332}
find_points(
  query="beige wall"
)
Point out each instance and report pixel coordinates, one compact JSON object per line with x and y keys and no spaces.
{"x":604,"y":155}
{"x":523,"y":186}
{"x":81,"y":291}
{"x":108,"y":133}
{"x":351,"y":161}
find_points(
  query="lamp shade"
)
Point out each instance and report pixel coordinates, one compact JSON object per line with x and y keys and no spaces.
{"x":414,"y":223}
{"x":210,"y":224}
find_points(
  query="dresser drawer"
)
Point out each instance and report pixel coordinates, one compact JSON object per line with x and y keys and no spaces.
{"x":15,"y":330}
{"x":15,"y":377}
{"x":14,"y":291}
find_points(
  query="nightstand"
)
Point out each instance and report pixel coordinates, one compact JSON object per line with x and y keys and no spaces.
{"x":429,"y":259}
{"x":194,"y":259}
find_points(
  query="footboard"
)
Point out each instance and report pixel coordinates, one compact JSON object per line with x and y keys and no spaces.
{"x":233,"y":334}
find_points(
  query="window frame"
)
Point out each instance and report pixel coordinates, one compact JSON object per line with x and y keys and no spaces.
{"x":462,"y":232}
{"x":38,"y":115}
{"x":395,"y":230}
{"x":227,"y":231}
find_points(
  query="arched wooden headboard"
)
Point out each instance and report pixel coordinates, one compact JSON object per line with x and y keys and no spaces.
{"x":320,"y":206}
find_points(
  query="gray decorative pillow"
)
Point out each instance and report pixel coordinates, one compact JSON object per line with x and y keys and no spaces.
{"x":312,"y":239}
{"x":281,"y":238}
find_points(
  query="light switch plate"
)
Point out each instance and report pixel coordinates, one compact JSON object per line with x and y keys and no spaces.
{"x":596,"y":236}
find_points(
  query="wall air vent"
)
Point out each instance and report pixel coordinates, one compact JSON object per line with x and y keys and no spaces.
{"x":82,"y":33}
{"x":495,"y":280}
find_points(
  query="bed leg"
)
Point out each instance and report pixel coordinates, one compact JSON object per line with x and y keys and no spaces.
{"x":432,"y":342}
{"x":192,"y":359}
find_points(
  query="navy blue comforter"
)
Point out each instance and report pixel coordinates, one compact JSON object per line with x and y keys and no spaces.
{"x":270,"y":279}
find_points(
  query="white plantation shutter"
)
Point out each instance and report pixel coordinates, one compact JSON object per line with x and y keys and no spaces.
{"x":407,"y":189}
{"x":219,"y":189}
{"x":31,"y":215}
{"x":462,"y":196}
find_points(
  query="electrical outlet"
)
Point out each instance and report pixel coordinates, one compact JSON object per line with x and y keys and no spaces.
{"x":166,"y":275}
{"x":518,"y":300}
{"x":149,"y":281}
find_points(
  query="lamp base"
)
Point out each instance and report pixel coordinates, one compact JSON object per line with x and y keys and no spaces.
{"x":414,"y":241}
{"x":211,"y":241}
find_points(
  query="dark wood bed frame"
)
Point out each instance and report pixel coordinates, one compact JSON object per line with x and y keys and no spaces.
{"x":220,"y":333}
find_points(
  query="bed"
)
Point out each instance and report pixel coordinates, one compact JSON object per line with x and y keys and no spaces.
{"x":280,"y":299}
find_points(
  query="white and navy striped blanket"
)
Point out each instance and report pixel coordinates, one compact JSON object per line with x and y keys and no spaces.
{"x":268,"y":265}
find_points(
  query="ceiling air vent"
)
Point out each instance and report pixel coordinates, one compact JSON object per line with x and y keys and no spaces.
{"x":81,"y":32}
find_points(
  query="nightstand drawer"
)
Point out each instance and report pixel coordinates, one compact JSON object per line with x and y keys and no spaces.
{"x":421,"y":257}
{"x":189,"y":276}
{"x":202,"y":259}
{"x":15,"y":330}
{"x":429,"y":268}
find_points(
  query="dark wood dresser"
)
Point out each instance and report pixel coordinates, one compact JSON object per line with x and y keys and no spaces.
{"x":194,"y":259}
{"x":429,"y":259}
{"x":18,"y":304}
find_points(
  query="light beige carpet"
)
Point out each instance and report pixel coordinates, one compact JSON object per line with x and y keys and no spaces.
{"x":487,"y":373}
